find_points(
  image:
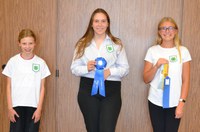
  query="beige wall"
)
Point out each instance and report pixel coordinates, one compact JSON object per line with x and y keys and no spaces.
{"x":191,"y":38}
{"x":60,"y":23}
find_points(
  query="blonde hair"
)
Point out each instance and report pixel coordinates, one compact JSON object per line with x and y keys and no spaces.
{"x":26,"y":33}
{"x":85,"y":40}
{"x":177,"y":40}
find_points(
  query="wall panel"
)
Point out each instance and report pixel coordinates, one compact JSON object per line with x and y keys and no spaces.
{"x":138,"y":29}
{"x":191,"y":39}
{"x":73,"y":19}
{"x":4,"y":53}
{"x":40,"y":16}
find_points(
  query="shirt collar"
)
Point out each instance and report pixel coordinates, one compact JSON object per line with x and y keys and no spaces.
{"x":106,"y":39}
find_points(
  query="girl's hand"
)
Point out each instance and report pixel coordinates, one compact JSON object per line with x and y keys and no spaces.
{"x":91,"y":65}
{"x":11,"y":114}
{"x":36,"y":115}
{"x":161,"y":61}
{"x":179,"y":110}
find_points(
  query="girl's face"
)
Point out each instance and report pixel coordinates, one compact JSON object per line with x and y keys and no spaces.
{"x":167,"y":31}
{"x":27,"y":45}
{"x":100,"y":24}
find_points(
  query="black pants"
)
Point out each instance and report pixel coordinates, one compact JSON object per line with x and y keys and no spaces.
{"x":24,"y":123}
{"x":100,"y":113}
{"x":163,"y":120}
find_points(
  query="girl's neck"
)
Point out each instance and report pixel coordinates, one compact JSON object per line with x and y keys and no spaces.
{"x":27,"y":56}
{"x":99,"y":39}
{"x":167,"y":44}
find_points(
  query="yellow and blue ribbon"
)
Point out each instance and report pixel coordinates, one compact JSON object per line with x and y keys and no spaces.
{"x":98,"y":83}
{"x":166,"y":89}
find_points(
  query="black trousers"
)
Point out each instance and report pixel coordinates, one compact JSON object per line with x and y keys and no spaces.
{"x":24,"y":123}
{"x":100,"y":113}
{"x":163,"y":120}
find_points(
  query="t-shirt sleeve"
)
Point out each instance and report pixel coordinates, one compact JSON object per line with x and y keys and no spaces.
{"x":148,"y":56}
{"x":186,"y":55}
{"x":45,"y":71}
{"x":8,"y":69}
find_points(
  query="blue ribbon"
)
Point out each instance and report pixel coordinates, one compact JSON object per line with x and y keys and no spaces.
{"x":98,"y":83}
{"x":166,"y":92}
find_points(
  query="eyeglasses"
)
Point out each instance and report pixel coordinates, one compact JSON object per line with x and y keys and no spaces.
{"x":164,"y":29}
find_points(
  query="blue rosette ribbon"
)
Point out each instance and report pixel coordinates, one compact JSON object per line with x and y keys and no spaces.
{"x":98,"y":83}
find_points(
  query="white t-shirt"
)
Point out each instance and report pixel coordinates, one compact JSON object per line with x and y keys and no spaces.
{"x":26,"y":76}
{"x":115,"y":56}
{"x":174,"y":72}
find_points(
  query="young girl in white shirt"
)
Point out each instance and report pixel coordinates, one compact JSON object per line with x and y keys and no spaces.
{"x":167,"y":69}
{"x":26,"y":73}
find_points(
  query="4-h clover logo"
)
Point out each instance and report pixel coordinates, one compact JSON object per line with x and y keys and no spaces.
{"x":36,"y":67}
{"x":110,"y":48}
{"x":173,"y":58}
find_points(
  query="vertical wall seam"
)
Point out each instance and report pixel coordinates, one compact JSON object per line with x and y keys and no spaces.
{"x":182,"y":19}
{"x":57,"y":2}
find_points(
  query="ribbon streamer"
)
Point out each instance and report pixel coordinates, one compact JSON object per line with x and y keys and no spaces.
{"x":166,"y":87}
{"x":166,"y":92}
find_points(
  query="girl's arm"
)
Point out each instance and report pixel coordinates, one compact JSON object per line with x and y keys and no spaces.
{"x":11,"y":112}
{"x":150,"y":70}
{"x":8,"y":90}
{"x":37,"y":114}
{"x":185,"y":80}
{"x":184,"y":88}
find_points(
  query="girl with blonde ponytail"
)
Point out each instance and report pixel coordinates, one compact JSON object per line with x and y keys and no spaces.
{"x":167,"y":69}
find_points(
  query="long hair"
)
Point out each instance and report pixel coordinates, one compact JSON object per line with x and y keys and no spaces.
{"x":177,"y":40}
{"x":26,"y":33}
{"x":85,"y":40}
